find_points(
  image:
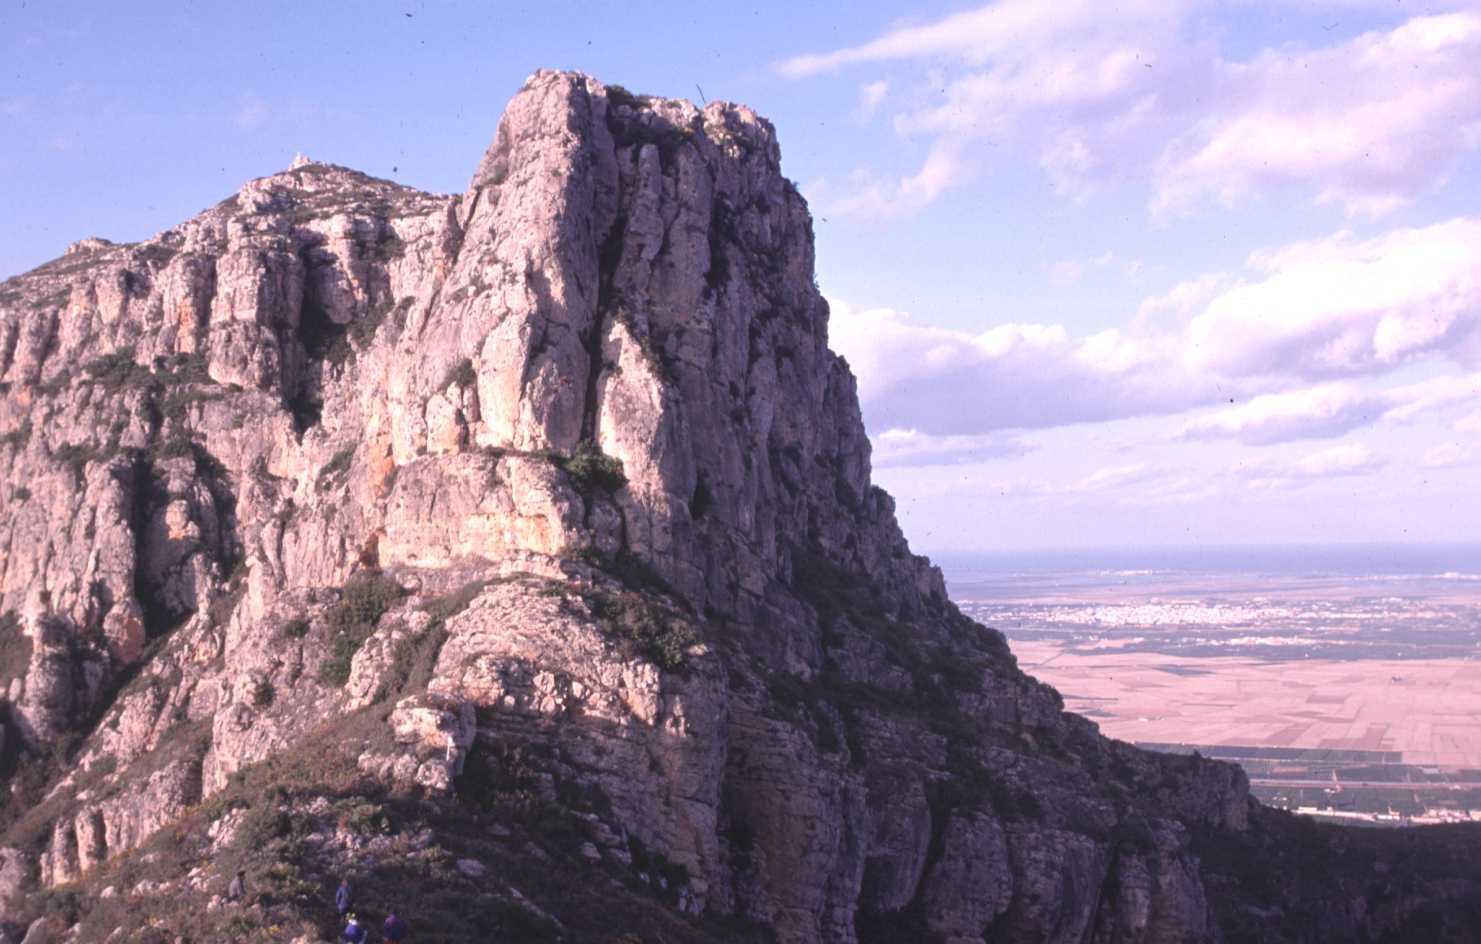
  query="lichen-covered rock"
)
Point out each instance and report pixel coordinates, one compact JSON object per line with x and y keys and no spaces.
{"x":549,"y":490}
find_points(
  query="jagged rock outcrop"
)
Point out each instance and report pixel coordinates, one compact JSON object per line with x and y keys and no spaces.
{"x":546,"y":503}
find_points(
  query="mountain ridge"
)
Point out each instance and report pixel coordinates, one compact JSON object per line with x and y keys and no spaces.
{"x":453,"y":539}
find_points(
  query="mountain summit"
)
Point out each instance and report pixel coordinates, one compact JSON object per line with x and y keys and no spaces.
{"x":514,"y":553}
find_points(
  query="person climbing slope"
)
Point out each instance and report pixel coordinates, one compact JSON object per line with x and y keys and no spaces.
{"x":393,"y":929}
{"x":234,"y":889}
{"x":354,"y":933}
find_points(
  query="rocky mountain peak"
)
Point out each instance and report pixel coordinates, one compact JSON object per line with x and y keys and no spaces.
{"x":519,"y":543}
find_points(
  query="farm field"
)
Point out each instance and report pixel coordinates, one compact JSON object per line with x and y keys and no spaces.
{"x":1353,"y":695}
{"x":1428,"y":712}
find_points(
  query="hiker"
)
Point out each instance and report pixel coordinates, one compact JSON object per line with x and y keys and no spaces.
{"x":343,"y":898}
{"x":234,"y":888}
{"x":394,"y":929}
{"x":353,"y":932}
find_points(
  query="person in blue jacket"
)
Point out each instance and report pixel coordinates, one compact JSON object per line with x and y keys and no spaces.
{"x":343,"y":897}
{"x":394,"y":929}
{"x":353,"y":932}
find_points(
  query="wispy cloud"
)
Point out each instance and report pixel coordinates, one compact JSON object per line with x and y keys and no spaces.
{"x":1336,"y":462}
{"x":1276,"y":352}
{"x":915,"y":376}
{"x":976,"y":35}
{"x":912,"y":447}
{"x":864,"y":194}
{"x":1449,"y":456}
{"x":1329,"y":410}
{"x":1096,"y":93}
{"x":871,"y":96}
{"x":250,"y":113}
{"x":1341,"y":305}
{"x":1069,"y":271}
{"x":1369,"y":122}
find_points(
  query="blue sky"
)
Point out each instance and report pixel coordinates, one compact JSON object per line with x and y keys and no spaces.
{"x":1110,"y":274}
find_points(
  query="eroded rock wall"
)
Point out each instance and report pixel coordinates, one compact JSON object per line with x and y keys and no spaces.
{"x":560,"y":467}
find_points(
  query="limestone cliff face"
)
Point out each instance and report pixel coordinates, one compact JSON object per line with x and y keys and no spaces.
{"x":560,"y":467}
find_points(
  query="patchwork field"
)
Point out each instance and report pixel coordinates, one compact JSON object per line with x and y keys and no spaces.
{"x":1346,"y":695}
{"x":1428,"y":711}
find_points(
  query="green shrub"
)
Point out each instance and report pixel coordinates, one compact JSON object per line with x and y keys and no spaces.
{"x":590,"y":469}
{"x":644,"y":629}
{"x":21,"y":494}
{"x":668,"y":875}
{"x":76,"y":457}
{"x":337,"y":465}
{"x":296,"y":628}
{"x":365,"y":599}
{"x":225,"y":604}
{"x":117,"y":370}
{"x":630,"y":570}
{"x":15,"y":648}
{"x":179,"y":446}
{"x":362,"y":603}
{"x":263,"y":693}
{"x":390,"y":247}
{"x":617,"y":95}
{"x":18,"y":436}
{"x":460,"y":374}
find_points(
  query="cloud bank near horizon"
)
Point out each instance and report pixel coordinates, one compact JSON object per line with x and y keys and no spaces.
{"x":1290,"y":348}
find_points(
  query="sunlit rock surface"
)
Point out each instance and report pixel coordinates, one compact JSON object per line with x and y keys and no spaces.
{"x":343,"y":512}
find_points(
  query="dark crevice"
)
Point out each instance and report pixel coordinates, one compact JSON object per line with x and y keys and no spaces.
{"x":317,"y":339}
{"x":147,"y":496}
{"x":609,"y":257}
{"x":202,"y":326}
{"x":540,"y":343}
{"x":453,"y":246}
{"x":722,"y":227}
{"x":49,"y":329}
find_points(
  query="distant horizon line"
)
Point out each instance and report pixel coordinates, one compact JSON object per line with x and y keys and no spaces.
{"x":1288,"y":547}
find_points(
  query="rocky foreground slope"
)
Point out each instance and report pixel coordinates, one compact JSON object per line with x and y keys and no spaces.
{"x":515,"y":553}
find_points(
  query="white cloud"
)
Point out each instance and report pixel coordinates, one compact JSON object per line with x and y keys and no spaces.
{"x":1135,"y":480}
{"x":1448,"y":455}
{"x":1066,"y":271}
{"x":871,"y":96}
{"x":1111,"y":478}
{"x":1179,"y":490}
{"x":1012,"y":376}
{"x":1185,"y":298}
{"x":1328,"y":410}
{"x":1471,"y":423}
{"x":1070,"y":271}
{"x":1337,"y":462}
{"x":251,"y":112}
{"x":1405,"y":403}
{"x":1370,"y":121}
{"x":975,"y":35}
{"x":912,"y":447}
{"x":1314,"y":412}
{"x":865,"y":195}
{"x":1342,"y":306}
{"x":1336,"y":309}
{"x":1096,"y":93}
